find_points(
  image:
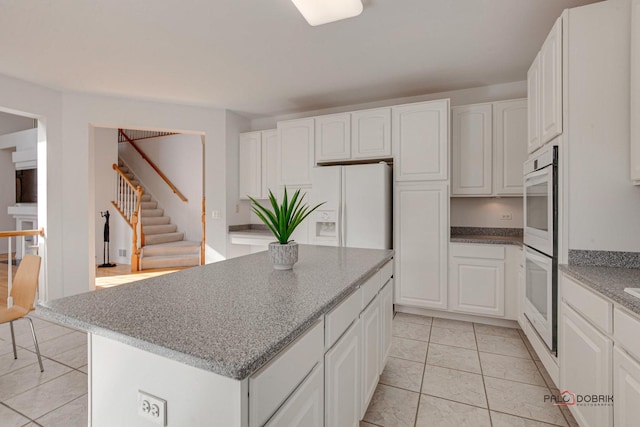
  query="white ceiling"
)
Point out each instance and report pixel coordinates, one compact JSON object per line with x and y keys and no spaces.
{"x":260,"y":57}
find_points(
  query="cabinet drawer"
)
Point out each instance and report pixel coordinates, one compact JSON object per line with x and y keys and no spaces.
{"x":596,"y":309}
{"x":626,"y":331}
{"x":467,"y":250}
{"x":306,"y":406}
{"x":339,"y":319}
{"x":386,"y":272}
{"x":274,"y":382}
{"x":370,"y":289}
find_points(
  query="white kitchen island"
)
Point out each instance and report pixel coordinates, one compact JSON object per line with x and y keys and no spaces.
{"x":236,"y":343}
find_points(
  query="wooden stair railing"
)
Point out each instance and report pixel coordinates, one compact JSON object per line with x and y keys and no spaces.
{"x":18,"y":234}
{"x":153,"y":165}
{"x":128,"y":199}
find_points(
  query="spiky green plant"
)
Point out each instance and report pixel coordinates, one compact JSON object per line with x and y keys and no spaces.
{"x":285,"y":217}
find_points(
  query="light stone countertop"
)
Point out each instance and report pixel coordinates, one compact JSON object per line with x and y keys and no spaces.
{"x":229,"y":317}
{"x":609,"y":282}
{"x":490,"y":240}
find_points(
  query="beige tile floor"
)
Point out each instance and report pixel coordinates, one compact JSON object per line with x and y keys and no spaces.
{"x":55,"y":397}
{"x":444,"y":373}
{"x":440,"y":373}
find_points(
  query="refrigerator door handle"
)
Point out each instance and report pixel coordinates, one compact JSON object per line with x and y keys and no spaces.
{"x":343,"y":208}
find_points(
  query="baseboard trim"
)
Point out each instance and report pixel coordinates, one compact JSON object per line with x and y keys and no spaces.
{"x":456,"y":316}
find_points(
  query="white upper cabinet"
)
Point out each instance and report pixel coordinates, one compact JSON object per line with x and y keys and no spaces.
{"x":635,"y":92}
{"x":421,"y":233}
{"x":359,"y":135}
{"x":371,"y":134}
{"x":269,"y":162}
{"x":533,"y":106}
{"x":551,"y":84}
{"x":258,"y":164}
{"x":420,"y":140}
{"x":333,"y":137}
{"x":489,"y":147}
{"x":509,"y":147}
{"x":296,"y":151}
{"x":471,"y":141}
{"x":250,"y":165}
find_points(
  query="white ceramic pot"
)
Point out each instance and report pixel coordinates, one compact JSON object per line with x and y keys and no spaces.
{"x":283,"y":256}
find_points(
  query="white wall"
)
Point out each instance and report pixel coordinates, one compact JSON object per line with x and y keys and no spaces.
{"x":486,"y":212}
{"x":458,"y":97}
{"x":106,"y":154}
{"x":603,"y":205}
{"x":27,"y":99}
{"x":7,"y":196}
{"x":10,"y":123}
{"x":179,"y":157}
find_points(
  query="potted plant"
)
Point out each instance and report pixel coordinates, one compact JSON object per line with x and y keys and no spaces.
{"x":282,"y":221}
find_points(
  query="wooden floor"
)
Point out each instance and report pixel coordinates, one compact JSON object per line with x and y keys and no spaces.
{"x":105,"y":277}
{"x":121,"y":274}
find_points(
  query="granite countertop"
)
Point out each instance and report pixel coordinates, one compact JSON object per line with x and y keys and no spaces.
{"x":486,"y":235}
{"x":492,"y":240}
{"x":608,"y":281}
{"x":229,"y":317}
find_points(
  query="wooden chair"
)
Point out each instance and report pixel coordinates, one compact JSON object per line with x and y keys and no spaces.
{"x":23,"y":293}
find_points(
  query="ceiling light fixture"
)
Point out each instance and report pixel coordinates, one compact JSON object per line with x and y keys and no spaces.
{"x":318,"y":12}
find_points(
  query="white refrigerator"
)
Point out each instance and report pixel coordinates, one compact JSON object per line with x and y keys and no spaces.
{"x":358,"y":207}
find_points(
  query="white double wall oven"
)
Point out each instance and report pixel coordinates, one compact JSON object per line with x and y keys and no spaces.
{"x":541,"y":243}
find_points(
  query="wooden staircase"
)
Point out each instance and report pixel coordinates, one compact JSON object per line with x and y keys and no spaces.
{"x":161,"y":244}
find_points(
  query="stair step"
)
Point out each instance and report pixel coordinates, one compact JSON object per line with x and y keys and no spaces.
{"x":123,"y":169}
{"x":152,"y":212}
{"x":148,"y":263}
{"x":155,"y":220}
{"x":129,"y":175}
{"x":120,"y":164}
{"x":149,"y":205}
{"x":146,"y":197}
{"x":155,"y":239}
{"x":135,"y":182}
{"x":150,"y":230}
{"x":183,"y":247}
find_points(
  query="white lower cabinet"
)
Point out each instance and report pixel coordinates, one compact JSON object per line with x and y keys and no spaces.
{"x":371,"y":339}
{"x":476,"y":283}
{"x":386,"y":317}
{"x":626,"y":391}
{"x":305,"y":407}
{"x":342,"y":379}
{"x":585,"y":366}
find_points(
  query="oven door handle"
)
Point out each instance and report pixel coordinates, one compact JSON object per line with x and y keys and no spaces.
{"x":538,"y":258}
{"x":537,"y":174}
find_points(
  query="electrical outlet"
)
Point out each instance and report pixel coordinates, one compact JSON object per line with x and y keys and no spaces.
{"x":216,"y":214}
{"x":506,"y":216}
{"x":237,"y":208}
{"x":152,"y":408}
{"x":122,"y":252}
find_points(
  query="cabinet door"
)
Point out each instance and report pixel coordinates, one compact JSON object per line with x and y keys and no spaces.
{"x":269,"y":162}
{"x":510,"y":145}
{"x":585,"y":366}
{"x":296,"y":151}
{"x":635,"y":92}
{"x":370,"y":365}
{"x":551,"y":84}
{"x":420,"y":139}
{"x":371,"y":134}
{"x":477,"y":286}
{"x":342,"y":379}
{"x":626,"y":383}
{"x":421,"y":234}
{"x":333,"y":137}
{"x":306,"y":404}
{"x":386,"y":317}
{"x":471,"y":142}
{"x":533,"y":106}
{"x":250,"y":166}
